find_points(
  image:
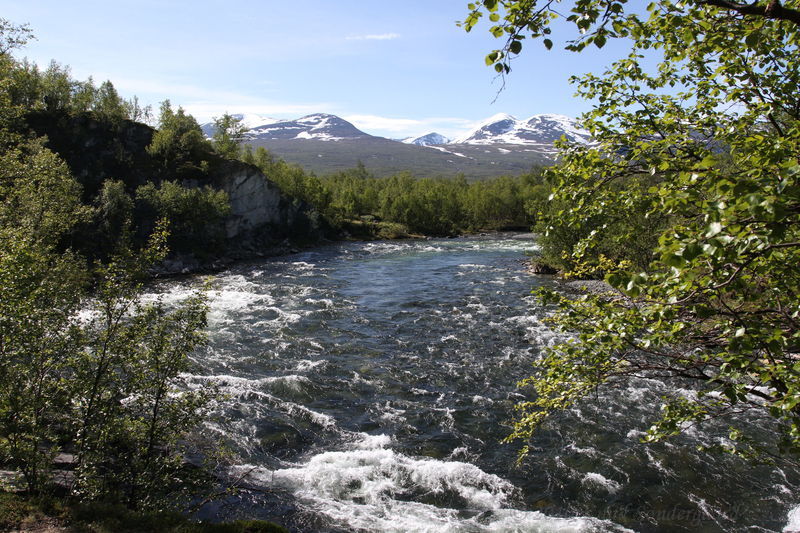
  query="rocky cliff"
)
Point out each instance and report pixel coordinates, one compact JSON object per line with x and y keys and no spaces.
{"x":262,"y":221}
{"x":261,"y":215}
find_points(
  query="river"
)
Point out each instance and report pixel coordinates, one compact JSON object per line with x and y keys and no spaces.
{"x":368,"y":386}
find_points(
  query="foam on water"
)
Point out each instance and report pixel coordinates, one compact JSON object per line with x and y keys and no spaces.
{"x":304,"y":365}
{"x":370,"y":487}
{"x":793,"y":521}
{"x":244,"y":390}
{"x":413,"y":341}
{"x":593,"y":479}
{"x":390,"y":414}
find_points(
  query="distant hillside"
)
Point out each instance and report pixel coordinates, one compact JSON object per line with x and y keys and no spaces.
{"x":384,"y":157}
{"x":323,"y":143}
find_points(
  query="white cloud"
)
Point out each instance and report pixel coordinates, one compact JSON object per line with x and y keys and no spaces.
{"x":176,"y":92}
{"x":204,"y":103}
{"x":374,"y":37}
{"x":375,"y":122}
{"x":205,"y":111}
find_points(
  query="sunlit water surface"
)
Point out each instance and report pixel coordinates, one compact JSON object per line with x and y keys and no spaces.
{"x":368,"y":387}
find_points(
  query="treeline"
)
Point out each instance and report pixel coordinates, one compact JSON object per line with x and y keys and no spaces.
{"x":55,"y":91}
{"x":430,"y":206}
{"x":179,"y":154}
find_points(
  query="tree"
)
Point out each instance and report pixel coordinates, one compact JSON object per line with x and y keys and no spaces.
{"x":113,"y":218}
{"x":108,"y":105}
{"x":96,"y":373}
{"x":136,"y":112}
{"x":179,"y":145}
{"x":196,"y":215}
{"x":106,"y":386}
{"x":13,"y":36}
{"x":57,"y":86}
{"x":715,"y":129}
{"x":228,"y":135}
{"x":129,"y":405}
{"x":40,"y":291}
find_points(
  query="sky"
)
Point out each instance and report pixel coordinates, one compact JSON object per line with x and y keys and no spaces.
{"x":394,"y":69}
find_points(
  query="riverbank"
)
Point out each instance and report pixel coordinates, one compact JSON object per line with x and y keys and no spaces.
{"x":178,"y":265}
{"x":22,"y":513}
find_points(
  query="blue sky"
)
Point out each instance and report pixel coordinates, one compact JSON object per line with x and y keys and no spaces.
{"x":394,"y":69}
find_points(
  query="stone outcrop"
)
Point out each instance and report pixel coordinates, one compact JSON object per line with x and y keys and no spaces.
{"x":261,"y":215}
{"x":263,"y":221}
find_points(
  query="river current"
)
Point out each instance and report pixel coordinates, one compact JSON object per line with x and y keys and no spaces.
{"x":368,"y":386}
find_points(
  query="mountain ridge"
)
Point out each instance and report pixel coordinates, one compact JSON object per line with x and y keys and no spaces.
{"x":501,"y":144}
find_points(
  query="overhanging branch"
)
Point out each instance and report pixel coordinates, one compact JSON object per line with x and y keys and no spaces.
{"x":772,"y":9}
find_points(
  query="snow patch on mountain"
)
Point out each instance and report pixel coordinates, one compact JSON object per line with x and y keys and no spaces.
{"x":253,"y":120}
{"x":445,"y":150}
{"x":318,"y":126}
{"x":427,"y":140}
{"x":319,"y":136}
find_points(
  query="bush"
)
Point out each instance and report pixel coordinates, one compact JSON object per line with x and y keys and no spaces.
{"x":196,"y":216}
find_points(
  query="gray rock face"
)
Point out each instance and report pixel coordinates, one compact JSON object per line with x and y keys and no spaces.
{"x":254,"y":200}
{"x":262,"y":218}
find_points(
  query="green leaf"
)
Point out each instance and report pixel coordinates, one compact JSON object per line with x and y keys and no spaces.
{"x":599,"y":40}
{"x":691,"y":251}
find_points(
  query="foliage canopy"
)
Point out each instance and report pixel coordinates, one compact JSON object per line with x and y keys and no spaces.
{"x":431,"y":206}
{"x":707,"y":141}
{"x":93,"y":371}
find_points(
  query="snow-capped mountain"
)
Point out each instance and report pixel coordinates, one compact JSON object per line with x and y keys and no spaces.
{"x":319,"y":126}
{"x":426,"y":140}
{"x":500,"y":145}
{"x":538,"y":130}
{"x":252,"y":120}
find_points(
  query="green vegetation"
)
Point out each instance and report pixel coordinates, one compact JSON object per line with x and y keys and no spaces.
{"x":430,"y":206}
{"x":63,"y":378}
{"x":95,"y":416}
{"x":179,"y":146}
{"x":697,"y":165}
{"x":133,"y":176}
{"x":197,"y":214}
{"x":228,"y":135}
{"x":54,"y":91}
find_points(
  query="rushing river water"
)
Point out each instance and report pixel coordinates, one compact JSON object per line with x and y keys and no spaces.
{"x":368,"y":387}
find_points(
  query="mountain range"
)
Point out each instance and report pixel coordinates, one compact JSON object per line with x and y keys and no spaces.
{"x":324,"y":143}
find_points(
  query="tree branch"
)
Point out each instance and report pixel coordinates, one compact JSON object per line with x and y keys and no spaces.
{"x":772,"y":10}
